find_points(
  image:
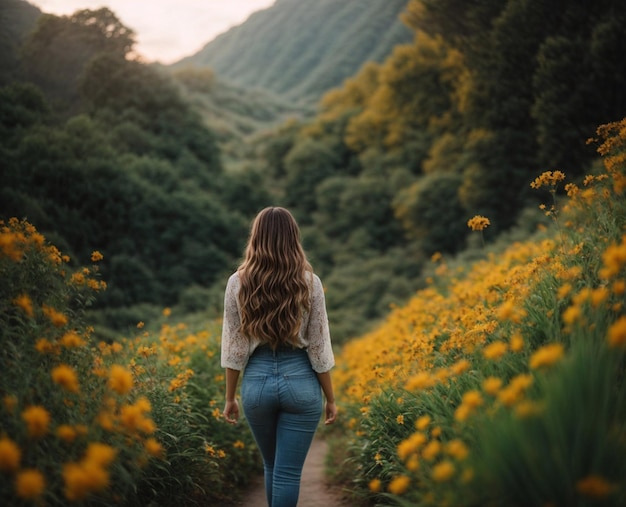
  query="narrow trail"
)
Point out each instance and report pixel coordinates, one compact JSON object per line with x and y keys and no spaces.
{"x":314,"y":491}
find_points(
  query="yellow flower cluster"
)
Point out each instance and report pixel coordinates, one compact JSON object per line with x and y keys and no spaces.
{"x":548,"y":179}
{"x":17,"y":236}
{"x":469,"y":318}
{"x":90,"y":474}
{"x":81,"y":399}
{"x":478,"y":223}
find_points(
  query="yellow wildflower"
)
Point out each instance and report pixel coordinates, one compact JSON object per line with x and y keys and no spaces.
{"x":460,"y":366}
{"x":71,"y":340}
{"x":56,"y":318}
{"x":571,"y":314}
{"x":37,"y":420}
{"x":96,"y":256}
{"x":420,"y":381}
{"x":146,"y":351}
{"x":443,"y":471}
{"x":422,"y":422}
{"x":547,"y":355}
{"x":599,"y":296}
{"x":78,"y":278}
{"x":432,"y":449}
{"x":491,"y":385}
{"x":66,"y":377}
{"x":411,"y":444}
{"x":120,"y":379}
{"x":614,"y":258}
{"x":153,"y":447}
{"x":399,"y":485}
{"x":617,"y":333}
{"x":495,"y":350}
{"x":10,"y":455}
{"x":100,"y":454}
{"x":506,"y":310}
{"x":462,"y":412}
{"x":478,"y":223}
{"x":512,"y":393}
{"x":516,"y":343}
{"x":29,"y":484}
{"x":413,"y":463}
{"x":472,"y":399}
{"x":66,"y":433}
{"x":564,"y":290}
{"x":548,"y":178}
{"x":83,"y":478}
{"x":144,"y":404}
{"x":25,"y":303}
{"x":400,"y":419}
{"x":457,"y":449}
{"x":375,"y":485}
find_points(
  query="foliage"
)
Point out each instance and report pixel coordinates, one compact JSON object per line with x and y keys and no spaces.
{"x":502,"y":383}
{"x":56,"y":52}
{"x":17,"y":18}
{"x":124,"y":173}
{"x":104,"y":423}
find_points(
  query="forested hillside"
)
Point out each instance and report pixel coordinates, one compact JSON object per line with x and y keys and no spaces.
{"x":455,"y":124}
{"x":299,"y":49}
{"x":103,"y":152}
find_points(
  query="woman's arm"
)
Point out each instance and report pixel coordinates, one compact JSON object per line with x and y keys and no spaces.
{"x":231,"y":409}
{"x":327,"y":386}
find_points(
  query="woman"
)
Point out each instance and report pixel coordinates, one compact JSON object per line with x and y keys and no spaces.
{"x":275,"y":329}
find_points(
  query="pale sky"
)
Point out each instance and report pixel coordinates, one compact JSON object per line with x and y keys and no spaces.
{"x":167,"y":30}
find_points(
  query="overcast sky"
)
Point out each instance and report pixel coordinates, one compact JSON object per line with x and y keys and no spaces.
{"x":167,"y":30}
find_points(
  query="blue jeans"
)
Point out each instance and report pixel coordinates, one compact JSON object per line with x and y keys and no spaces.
{"x":282,"y":402}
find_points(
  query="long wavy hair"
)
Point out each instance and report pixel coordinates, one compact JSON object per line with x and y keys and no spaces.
{"x":275,"y":279}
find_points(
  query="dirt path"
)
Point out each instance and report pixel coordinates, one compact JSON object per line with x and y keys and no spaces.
{"x":314,"y":492}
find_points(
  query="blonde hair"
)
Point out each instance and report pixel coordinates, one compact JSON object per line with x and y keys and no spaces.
{"x":274,"y":290}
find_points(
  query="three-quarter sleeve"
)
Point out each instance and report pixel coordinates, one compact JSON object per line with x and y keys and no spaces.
{"x":235,"y":346}
{"x":319,"y":347}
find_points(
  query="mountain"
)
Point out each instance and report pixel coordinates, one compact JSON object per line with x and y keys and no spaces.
{"x":299,"y":49}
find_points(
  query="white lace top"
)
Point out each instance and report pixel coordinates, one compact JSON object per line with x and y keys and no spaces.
{"x":314,"y":335}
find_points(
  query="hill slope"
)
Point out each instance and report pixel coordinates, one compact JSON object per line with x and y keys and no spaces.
{"x":300,"y":49}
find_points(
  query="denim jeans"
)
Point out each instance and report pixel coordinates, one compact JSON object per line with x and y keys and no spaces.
{"x":282,"y":402}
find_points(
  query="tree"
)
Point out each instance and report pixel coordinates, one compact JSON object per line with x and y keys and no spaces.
{"x":59,"y":48}
{"x":431,"y":213}
{"x":306,"y":165}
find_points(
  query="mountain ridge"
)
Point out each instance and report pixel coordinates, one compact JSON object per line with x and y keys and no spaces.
{"x":301,"y":49}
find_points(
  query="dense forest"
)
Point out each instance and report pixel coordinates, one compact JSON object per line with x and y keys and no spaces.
{"x":152,"y":167}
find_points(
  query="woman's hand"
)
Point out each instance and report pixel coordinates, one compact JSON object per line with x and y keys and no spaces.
{"x":231,"y":411}
{"x":331,"y":412}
